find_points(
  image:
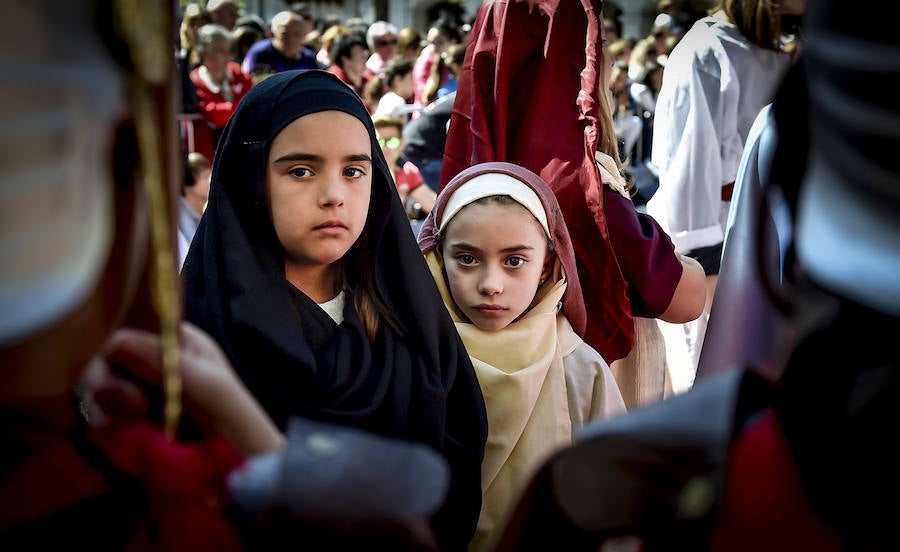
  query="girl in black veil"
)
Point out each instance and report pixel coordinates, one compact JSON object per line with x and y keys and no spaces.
{"x":304,"y":270}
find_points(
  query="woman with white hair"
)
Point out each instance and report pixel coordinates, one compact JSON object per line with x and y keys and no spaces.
{"x":382,"y":40}
{"x":220,"y":85}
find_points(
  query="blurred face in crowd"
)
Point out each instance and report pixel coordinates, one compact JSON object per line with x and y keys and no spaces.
{"x":216,"y":56}
{"x":386,"y":47}
{"x":404,"y":86}
{"x":225,"y":14}
{"x":391,"y":141}
{"x":198,"y":194}
{"x":193,"y":25}
{"x":288,"y":34}
{"x":618,"y":80}
{"x":439,"y":40}
{"x":355,"y":65}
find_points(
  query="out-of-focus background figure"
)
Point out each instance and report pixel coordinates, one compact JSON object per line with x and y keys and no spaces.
{"x":717,"y":78}
{"x":739,"y":462}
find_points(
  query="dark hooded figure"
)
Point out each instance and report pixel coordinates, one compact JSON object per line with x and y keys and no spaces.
{"x":809,"y":462}
{"x":304,"y":270}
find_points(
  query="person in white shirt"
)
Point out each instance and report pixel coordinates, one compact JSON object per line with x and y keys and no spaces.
{"x":718,"y":77}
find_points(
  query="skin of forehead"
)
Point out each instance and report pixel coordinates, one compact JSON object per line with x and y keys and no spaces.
{"x":513,"y":204}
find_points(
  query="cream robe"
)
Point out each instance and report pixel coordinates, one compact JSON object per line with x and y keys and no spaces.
{"x":522,"y":377}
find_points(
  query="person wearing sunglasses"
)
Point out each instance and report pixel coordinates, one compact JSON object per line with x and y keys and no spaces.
{"x":382,"y":39}
{"x":415,"y":194}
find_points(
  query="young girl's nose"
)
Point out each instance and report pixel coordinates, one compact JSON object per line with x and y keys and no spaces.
{"x":331,"y":191}
{"x":491,"y":282}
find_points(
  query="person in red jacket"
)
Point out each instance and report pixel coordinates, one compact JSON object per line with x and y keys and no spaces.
{"x":220,"y":85}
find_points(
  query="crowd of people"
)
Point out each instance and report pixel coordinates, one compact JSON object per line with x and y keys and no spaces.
{"x":397,"y":292}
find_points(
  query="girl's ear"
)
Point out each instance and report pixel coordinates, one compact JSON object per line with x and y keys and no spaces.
{"x":549,"y":260}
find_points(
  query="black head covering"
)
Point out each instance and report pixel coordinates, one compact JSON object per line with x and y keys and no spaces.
{"x":414,"y":382}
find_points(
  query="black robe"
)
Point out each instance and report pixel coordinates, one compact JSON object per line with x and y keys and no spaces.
{"x":415,"y":382}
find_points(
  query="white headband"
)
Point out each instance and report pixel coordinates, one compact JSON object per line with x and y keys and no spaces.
{"x":491,"y":184}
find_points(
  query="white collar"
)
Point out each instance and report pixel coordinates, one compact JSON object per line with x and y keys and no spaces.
{"x":335,"y":307}
{"x":213,"y":86}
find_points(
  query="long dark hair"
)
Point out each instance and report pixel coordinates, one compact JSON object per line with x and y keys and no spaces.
{"x":360,"y":282}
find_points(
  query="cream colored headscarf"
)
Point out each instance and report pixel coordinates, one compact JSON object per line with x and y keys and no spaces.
{"x":520,"y":368}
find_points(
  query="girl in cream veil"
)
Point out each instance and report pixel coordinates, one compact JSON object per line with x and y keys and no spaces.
{"x":501,"y":255}
{"x":533,"y":61}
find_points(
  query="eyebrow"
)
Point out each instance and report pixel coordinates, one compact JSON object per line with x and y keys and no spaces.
{"x":299,"y":156}
{"x":463,"y":246}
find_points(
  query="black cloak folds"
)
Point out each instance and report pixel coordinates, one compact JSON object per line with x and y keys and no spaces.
{"x":416,"y":383}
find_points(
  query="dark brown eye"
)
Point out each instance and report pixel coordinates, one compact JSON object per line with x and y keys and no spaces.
{"x":466,"y":259}
{"x":516,"y":262}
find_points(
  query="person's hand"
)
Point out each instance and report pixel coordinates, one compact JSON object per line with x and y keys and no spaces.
{"x":120,"y":379}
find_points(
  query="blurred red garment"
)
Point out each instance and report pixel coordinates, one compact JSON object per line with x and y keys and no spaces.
{"x":217,"y":104}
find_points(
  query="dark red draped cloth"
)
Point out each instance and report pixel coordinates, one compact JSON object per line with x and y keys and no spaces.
{"x":527,"y":95}
{"x":126,"y":487}
{"x":763,"y":507}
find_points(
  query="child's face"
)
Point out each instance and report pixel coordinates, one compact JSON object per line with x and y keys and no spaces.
{"x":319,"y":182}
{"x":495,"y":256}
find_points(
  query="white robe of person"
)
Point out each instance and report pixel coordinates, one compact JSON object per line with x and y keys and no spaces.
{"x":714,"y":85}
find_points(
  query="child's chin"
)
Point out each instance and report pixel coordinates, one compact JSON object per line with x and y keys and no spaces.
{"x":491,"y":325}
